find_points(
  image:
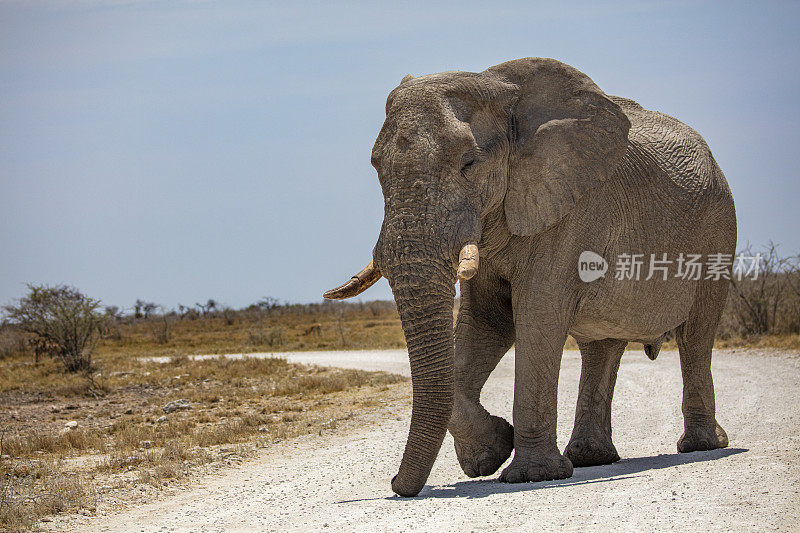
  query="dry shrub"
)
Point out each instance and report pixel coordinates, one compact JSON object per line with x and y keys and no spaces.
{"x":12,"y":342}
{"x":271,"y":337}
{"x":768,"y":304}
{"x":160,"y":327}
{"x":61,"y":317}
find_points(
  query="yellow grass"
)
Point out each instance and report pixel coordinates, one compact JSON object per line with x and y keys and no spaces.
{"x":247,"y":332}
{"x":122,"y":429}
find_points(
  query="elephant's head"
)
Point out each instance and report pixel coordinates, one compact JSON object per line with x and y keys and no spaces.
{"x":525,"y":139}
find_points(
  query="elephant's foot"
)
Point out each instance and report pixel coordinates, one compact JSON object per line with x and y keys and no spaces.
{"x":531,"y":465}
{"x":483,"y":454}
{"x":702,"y":438}
{"x":591,"y":451}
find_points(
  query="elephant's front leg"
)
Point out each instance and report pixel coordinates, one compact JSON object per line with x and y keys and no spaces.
{"x":484,"y":333}
{"x":539,"y":346}
{"x":591,"y":443}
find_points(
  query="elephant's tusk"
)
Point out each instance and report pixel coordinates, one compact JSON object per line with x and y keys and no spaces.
{"x":356,"y":285}
{"x":468,"y":261}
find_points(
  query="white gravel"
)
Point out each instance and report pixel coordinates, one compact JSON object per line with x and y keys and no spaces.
{"x":341,"y":482}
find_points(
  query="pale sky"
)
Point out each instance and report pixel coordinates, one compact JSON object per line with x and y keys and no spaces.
{"x":177,"y":151}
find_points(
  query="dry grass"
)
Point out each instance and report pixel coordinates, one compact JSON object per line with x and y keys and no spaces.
{"x":780,"y":342}
{"x":32,"y":488}
{"x":123,"y":436}
{"x":333,"y":327}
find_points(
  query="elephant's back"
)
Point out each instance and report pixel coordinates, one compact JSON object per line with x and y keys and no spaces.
{"x":676,"y":148}
{"x":669,"y":168}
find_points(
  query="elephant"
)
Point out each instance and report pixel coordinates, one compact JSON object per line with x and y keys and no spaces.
{"x":504,"y":180}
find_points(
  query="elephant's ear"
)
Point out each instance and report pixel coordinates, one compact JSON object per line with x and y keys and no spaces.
{"x":567,"y":137}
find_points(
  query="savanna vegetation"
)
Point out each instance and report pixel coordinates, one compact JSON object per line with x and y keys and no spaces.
{"x":764,"y":310}
{"x":86,"y":413}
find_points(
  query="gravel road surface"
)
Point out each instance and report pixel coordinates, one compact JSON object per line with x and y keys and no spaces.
{"x":341,"y":481}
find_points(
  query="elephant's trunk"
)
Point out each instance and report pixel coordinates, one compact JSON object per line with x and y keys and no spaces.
{"x":419,"y":264}
{"x":424,"y":296}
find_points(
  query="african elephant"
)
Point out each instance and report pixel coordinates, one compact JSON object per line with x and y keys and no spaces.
{"x":502,"y":179}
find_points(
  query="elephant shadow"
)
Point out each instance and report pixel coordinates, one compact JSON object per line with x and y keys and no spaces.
{"x":623,"y":469}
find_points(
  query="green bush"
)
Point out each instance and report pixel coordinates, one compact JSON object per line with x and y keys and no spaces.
{"x":63,"y":318}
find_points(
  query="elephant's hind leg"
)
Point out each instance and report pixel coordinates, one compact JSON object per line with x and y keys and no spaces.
{"x":591,"y":442}
{"x":695,"y":339}
{"x":484,"y":333}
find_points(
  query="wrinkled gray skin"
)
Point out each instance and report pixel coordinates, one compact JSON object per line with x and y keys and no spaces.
{"x":534,"y":163}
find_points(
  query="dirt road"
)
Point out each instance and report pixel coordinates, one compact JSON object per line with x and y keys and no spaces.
{"x":341,"y":482}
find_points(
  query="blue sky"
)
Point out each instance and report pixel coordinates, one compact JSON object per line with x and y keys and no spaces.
{"x":185,"y":150}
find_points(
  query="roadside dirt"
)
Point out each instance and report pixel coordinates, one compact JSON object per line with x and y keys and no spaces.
{"x":341,"y":481}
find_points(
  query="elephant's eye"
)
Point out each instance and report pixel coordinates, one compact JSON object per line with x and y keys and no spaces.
{"x":465,"y":166}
